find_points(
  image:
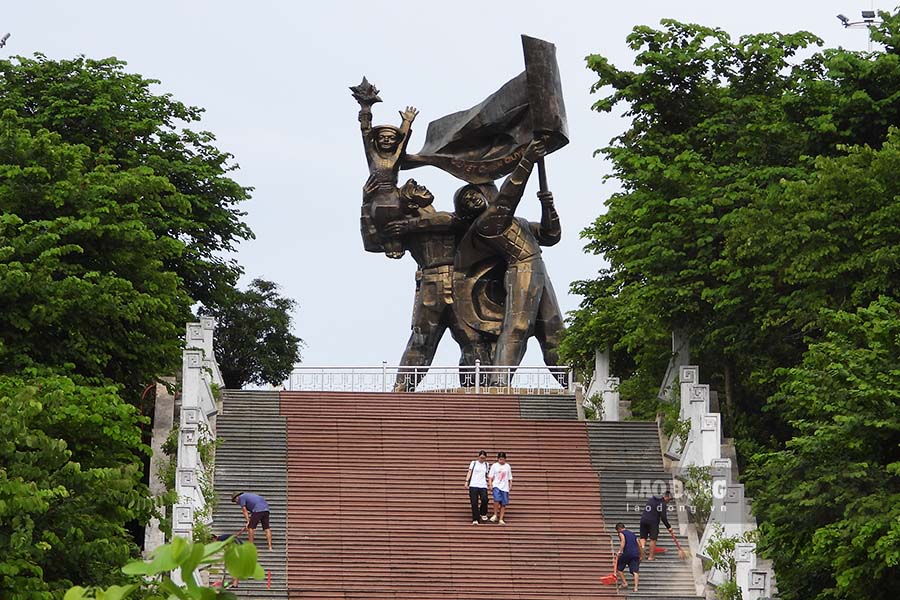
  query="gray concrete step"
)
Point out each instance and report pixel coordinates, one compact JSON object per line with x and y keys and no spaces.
{"x":548,"y":407}
{"x":252,"y":457}
{"x":628,"y":460}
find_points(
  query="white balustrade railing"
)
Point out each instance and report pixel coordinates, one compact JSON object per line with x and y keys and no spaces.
{"x":730,"y":515}
{"x":476,"y":379}
{"x":200,"y":373}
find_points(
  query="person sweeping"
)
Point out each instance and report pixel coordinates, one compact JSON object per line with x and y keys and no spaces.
{"x":654,"y":511}
{"x":256,"y":512}
{"x":629,"y":555}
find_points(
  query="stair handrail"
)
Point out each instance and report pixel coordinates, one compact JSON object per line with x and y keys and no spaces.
{"x":730,"y":514}
{"x":200,"y":373}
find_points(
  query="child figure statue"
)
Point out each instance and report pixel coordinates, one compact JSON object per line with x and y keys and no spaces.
{"x":384,"y":146}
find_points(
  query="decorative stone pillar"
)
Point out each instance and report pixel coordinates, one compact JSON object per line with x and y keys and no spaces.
{"x":727,"y":503}
{"x":753,"y":582}
{"x":611,"y":399}
{"x":711,"y":438}
{"x":688,"y":376}
{"x":760,"y":585}
{"x":694,"y":406}
{"x":601,"y":374}
{"x":200,"y":335}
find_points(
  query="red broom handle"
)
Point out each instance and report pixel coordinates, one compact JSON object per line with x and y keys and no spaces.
{"x":674,"y":539}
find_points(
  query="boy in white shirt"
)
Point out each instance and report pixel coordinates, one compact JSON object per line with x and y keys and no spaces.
{"x":500,"y":479}
{"x":476,"y":483}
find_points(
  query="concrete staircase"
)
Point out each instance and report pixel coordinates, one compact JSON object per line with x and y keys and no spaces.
{"x":548,"y":407}
{"x":252,"y":458}
{"x":627,"y":456}
{"x":367,"y":496}
{"x":377,"y":506}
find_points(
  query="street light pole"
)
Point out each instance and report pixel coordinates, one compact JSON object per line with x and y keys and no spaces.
{"x":869,"y":20}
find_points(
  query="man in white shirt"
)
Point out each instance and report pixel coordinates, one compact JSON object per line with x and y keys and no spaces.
{"x":476,"y":483}
{"x":500,"y":479}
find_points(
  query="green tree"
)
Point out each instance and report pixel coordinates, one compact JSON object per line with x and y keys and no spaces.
{"x":117,"y":115}
{"x":70,"y":481}
{"x":829,"y":499}
{"x":114,"y":217}
{"x":83,"y":278}
{"x":253,"y":341}
{"x":717,"y":126}
{"x":758,"y":193}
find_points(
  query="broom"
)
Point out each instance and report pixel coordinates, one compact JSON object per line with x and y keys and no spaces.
{"x":681,"y":553}
{"x":612,"y":577}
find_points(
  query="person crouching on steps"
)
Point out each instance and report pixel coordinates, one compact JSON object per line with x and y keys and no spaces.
{"x":500,"y":479}
{"x":628,"y":555}
{"x":476,"y":483}
{"x":256,"y":511}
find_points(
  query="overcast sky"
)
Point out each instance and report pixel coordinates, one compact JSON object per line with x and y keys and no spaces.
{"x":273,"y":78}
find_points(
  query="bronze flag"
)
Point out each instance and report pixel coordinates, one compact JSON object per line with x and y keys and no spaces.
{"x":485,"y":142}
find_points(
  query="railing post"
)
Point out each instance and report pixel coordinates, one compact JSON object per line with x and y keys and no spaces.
{"x":477,"y":375}
{"x":384,"y":376}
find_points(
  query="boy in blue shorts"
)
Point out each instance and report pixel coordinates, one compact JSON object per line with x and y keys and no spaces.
{"x":629,"y":555}
{"x":499,"y":480}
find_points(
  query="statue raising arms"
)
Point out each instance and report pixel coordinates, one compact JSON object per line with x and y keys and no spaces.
{"x":384,"y":146}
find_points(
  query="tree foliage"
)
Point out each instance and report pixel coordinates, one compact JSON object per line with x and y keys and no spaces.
{"x":253,"y":341}
{"x":126,"y":125}
{"x":83,"y":280}
{"x":70,"y":481}
{"x":829,"y":499}
{"x":758,"y":192}
{"x":717,"y":126}
{"x":114,"y":218}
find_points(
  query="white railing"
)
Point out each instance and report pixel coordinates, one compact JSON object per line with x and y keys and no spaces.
{"x":476,"y":379}
{"x":730,"y":515}
{"x":200,"y":373}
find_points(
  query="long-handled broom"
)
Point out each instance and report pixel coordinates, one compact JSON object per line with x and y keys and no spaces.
{"x":612,"y":577}
{"x":681,"y":553}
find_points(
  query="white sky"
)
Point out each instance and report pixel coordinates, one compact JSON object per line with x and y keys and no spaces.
{"x":273,"y":77}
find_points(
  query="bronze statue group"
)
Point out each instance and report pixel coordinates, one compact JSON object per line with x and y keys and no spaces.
{"x":480,"y":272}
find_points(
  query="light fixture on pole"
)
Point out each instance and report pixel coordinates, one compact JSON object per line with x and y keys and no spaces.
{"x":869,"y":20}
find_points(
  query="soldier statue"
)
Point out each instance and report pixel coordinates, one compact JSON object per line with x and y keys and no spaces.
{"x":480,"y":270}
{"x":531,"y":307}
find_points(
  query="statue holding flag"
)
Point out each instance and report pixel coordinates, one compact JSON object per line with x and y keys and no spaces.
{"x":500,"y":287}
{"x":530,"y":307}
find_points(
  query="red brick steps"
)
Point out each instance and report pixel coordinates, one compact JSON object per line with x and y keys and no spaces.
{"x":377,"y":506}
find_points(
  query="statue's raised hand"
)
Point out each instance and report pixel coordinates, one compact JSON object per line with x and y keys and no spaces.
{"x":409,"y":114}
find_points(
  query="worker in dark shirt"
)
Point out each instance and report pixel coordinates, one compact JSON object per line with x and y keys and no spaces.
{"x":629,"y":554}
{"x":654,"y":512}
